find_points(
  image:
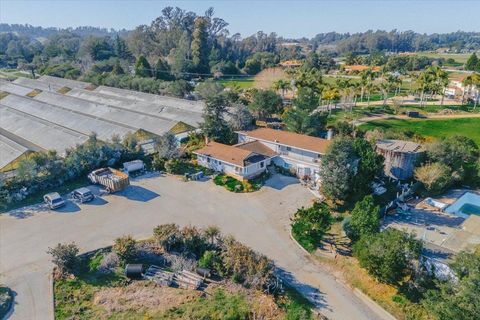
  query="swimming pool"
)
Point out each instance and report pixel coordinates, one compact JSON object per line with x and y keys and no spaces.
{"x":466,"y":205}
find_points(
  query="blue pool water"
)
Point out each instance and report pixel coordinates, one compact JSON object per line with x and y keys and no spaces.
{"x":470,"y":209}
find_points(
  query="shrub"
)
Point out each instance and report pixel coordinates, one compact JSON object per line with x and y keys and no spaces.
{"x":167,"y":235}
{"x":6,"y":300}
{"x":210,"y":260}
{"x":310,"y":225}
{"x":64,"y":256}
{"x":110,"y":261}
{"x":95,"y":261}
{"x":124,"y":247}
{"x":389,"y":255}
{"x":435,"y":177}
{"x":364,"y":220}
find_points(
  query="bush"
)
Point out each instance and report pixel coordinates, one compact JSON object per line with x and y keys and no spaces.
{"x":310,"y":225}
{"x":6,"y":300}
{"x":364,"y":220}
{"x":210,"y":260}
{"x":389,"y":255}
{"x":95,"y":261}
{"x":167,"y":235}
{"x":64,"y":256}
{"x":124,"y":247}
{"x":110,"y":261}
{"x":435,"y":177}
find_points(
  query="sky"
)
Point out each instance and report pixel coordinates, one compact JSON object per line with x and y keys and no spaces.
{"x":290,"y":19}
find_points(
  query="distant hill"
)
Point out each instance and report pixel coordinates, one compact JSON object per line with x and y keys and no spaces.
{"x":41,"y":32}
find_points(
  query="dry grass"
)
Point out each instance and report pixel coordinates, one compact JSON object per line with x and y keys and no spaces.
{"x":267,"y":77}
{"x":64,"y":90}
{"x":142,"y":296}
{"x":34,"y":93}
{"x":3,"y":94}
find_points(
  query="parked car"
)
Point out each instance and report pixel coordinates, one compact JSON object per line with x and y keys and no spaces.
{"x":82,"y":195}
{"x":53,"y":200}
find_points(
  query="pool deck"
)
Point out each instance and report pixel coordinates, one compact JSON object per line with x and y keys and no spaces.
{"x":446,"y":231}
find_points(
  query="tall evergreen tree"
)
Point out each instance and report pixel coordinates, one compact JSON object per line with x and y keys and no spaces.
{"x":121,"y":48}
{"x":473,"y":63}
{"x":143,"y":68}
{"x":162,"y":70}
{"x":200,"y":50}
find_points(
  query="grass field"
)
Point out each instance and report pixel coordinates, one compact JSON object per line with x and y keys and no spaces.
{"x":242,"y":83}
{"x":430,"y":128}
{"x":461,"y":58}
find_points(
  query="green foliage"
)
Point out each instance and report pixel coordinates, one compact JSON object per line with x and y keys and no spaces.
{"x":473,"y":63}
{"x":95,"y":261}
{"x":124,"y":247}
{"x":167,"y":235}
{"x":220,"y":306}
{"x":338,"y":169}
{"x":6,"y":300}
{"x":457,"y":299}
{"x":459,"y":153}
{"x":310,"y":225}
{"x":214,"y":124}
{"x":435,"y":177}
{"x":208,"y":88}
{"x":162,"y":70}
{"x":388,"y":256}
{"x":64,"y":256}
{"x":210,"y":260}
{"x":143,"y":68}
{"x":199,"y":46}
{"x":364,"y":220}
{"x":265,"y":103}
{"x":260,"y":61}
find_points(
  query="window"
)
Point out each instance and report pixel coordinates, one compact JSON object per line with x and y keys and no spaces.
{"x":262,"y":164}
{"x":289,"y":149}
{"x":208,"y":160}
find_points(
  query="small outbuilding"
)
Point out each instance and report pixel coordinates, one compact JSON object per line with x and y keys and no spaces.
{"x":400,"y":157}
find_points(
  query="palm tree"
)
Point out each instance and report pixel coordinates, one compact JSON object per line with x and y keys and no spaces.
{"x":472,"y":80}
{"x":212,"y":232}
{"x":281,"y":85}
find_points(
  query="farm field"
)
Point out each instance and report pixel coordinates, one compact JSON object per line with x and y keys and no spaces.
{"x":242,"y":83}
{"x":458,"y":57}
{"x":435,"y":128}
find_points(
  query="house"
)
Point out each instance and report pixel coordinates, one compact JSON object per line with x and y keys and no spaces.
{"x":297,"y":152}
{"x":400,"y":157}
{"x":243,"y":161}
{"x":261,"y":147}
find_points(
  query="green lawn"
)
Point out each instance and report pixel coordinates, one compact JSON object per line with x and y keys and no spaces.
{"x":242,"y":83}
{"x":461,"y":58}
{"x":435,"y":128}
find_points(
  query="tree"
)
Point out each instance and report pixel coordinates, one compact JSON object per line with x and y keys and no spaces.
{"x":265,"y":103}
{"x":459,"y":153}
{"x":472,"y":81}
{"x":310,"y":225}
{"x":435,"y":177}
{"x":117,"y":68}
{"x":457,"y":299}
{"x":212,"y":233}
{"x":473,"y":63}
{"x":199,"y":46}
{"x":208,"y":88}
{"x":214,"y":125}
{"x":121,"y":48}
{"x":124,"y":247}
{"x":389,"y":256}
{"x":143,"y":68}
{"x":338,"y":169}
{"x":26,"y":170}
{"x":240,"y":116}
{"x":281,"y":85}
{"x":167,"y":146}
{"x":304,"y":122}
{"x":64,"y":256}
{"x":162,"y":70}
{"x":369,"y":166}
{"x":167,"y":235}
{"x":364,"y":220}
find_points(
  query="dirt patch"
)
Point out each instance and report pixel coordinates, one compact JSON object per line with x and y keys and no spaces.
{"x":143,"y":296}
{"x":34,"y":93}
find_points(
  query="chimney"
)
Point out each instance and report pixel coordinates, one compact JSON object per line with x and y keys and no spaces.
{"x":329,"y":134}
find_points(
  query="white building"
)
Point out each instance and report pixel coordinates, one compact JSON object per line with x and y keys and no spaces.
{"x":298,"y":153}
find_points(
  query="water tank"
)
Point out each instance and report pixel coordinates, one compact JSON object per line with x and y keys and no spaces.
{"x":134,"y":271}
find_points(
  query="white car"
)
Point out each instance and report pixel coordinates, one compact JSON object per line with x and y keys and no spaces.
{"x":53,"y":200}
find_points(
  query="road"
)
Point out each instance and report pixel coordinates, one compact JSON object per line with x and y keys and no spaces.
{"x":259,"y":219}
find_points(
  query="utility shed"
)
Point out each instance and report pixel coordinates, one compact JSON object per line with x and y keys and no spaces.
{"x":400,"y":157}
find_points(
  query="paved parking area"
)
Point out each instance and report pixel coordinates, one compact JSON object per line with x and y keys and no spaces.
{"x":259,"y":219}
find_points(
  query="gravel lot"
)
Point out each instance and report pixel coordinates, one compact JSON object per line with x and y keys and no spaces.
{"x":259,"y":219}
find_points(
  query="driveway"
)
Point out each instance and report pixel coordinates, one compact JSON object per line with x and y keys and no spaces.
{"x":259,"y":219}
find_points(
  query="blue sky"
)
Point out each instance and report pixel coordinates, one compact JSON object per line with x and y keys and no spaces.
{"x":286,"y":18}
